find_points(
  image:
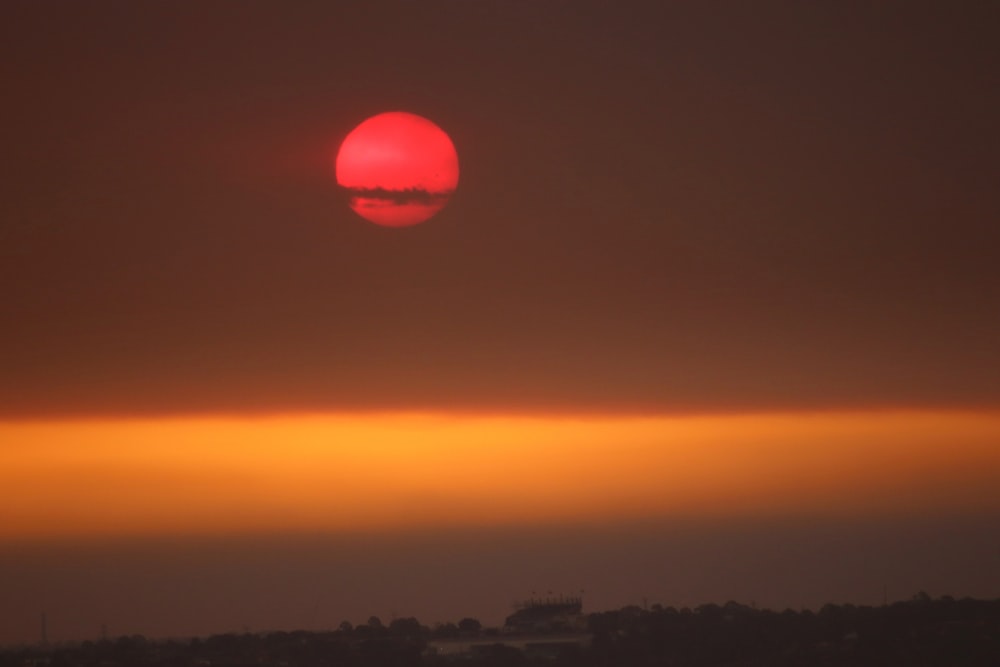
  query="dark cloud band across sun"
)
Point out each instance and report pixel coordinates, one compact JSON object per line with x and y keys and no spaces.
{"x":384,"y":197}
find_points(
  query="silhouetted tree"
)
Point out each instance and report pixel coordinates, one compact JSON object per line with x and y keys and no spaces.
{"x":409,"y":628}
{"x":470,"y":626}
{"x":445,"y":631}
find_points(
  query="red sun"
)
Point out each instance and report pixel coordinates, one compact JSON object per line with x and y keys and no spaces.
{"x":398,"y":169}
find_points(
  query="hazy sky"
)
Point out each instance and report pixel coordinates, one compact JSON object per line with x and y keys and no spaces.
{"x":708,"y":212}
{"x":700,"y":205}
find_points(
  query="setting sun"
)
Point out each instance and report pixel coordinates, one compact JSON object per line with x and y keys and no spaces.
{"x":399,"y":169}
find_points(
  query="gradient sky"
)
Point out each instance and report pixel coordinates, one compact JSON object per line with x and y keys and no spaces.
{"x":718,"y":278}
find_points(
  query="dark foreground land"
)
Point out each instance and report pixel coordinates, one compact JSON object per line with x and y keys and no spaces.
{"x":918,"y":632}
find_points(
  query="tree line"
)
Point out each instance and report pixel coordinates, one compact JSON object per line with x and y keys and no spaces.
{"x":920,"y":632}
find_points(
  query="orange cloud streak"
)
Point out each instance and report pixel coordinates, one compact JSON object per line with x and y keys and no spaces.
{"x":406,"y":471}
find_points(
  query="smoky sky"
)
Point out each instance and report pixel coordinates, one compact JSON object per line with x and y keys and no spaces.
{"x":664,"y":207}
{"x":680,"y":207}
